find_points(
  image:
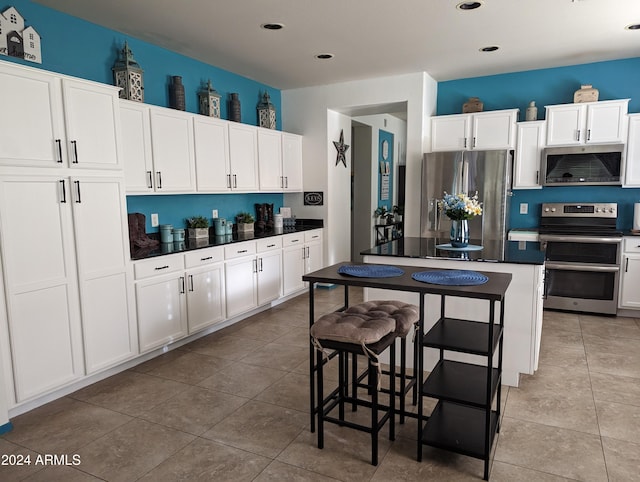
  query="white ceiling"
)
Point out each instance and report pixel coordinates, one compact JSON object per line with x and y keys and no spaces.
{"x":373,"y":38}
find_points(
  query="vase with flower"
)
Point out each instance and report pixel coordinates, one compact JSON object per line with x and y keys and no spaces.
{"x":460,"y":208}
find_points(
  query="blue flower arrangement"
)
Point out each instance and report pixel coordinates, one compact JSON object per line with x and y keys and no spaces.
{"x":461,"y":206}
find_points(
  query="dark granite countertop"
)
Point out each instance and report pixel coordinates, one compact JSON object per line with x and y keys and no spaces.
{"x":190,"y":244}
{"x":517,"y":252}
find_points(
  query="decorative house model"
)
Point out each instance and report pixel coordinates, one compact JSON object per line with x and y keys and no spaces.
{"x":127,"y":74}
{"x":209,"y":101}
{"x":266,"y":113}
{"x":16,"y":40}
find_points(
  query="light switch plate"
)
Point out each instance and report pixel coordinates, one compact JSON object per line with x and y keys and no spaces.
{"x":154,"y":220}
{"x":214,"y":213}
{"x":524,"y":208}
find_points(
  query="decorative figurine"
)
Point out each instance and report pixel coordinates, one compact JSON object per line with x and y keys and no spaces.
{"x":176,"y":93}
{"x":127,"y":74}
{"x":266,"y":113}
{"x":532,"y":112}
{"x":209,"y":101}
{"x":234,"y":108}
{"x":586,"y":93}
{"x":474,"y":104}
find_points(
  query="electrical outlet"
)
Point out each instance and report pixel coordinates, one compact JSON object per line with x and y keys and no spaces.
{"x":214,"y":213}
{"x":524,"y":208}
{"x":154,"y":220}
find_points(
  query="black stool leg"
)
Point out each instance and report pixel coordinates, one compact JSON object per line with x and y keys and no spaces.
{"x":354,"y":381}
{"x":392,"y":392}
{"x":415,"y":370}
{"x":320,"y":398}
{"x":403,"y":376}
{"x":342,"y":366}
{"x":374,"y":414}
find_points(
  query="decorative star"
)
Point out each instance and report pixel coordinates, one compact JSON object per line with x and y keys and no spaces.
{"x":341,"y":147}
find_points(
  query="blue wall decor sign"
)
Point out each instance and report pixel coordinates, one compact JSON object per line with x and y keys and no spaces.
{"x":313,"y":198}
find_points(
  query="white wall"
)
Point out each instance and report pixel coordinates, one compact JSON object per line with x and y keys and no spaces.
{"x":314,"y":113}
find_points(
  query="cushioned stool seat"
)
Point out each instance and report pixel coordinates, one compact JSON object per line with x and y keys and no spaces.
{"x":356,"y":333}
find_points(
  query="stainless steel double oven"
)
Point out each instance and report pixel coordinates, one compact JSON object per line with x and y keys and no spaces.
{"x":582,"y":256}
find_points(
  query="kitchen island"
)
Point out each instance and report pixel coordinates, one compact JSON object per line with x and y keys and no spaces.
{"x":523,"y":306}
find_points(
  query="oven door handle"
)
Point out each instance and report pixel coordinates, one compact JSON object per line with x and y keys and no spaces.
{"x":581,"y":267}
{"x":578,"y":239}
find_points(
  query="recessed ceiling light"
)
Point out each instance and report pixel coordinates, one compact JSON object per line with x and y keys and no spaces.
{"x":490,"y":48}
{"x":272,"y":26}
{"x":324,"y":56}
{"x":468,"y":5}
{"x":633,"y":26}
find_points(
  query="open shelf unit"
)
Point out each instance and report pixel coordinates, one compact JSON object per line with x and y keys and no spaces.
{"x":388,"y":232}
{"x":466,"y":417}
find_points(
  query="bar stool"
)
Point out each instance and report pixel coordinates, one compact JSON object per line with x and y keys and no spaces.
{"x":406,"y":316}
{"x":355,"y":334}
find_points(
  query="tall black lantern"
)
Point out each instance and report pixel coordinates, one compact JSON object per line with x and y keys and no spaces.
{"x":127,"y":74}
{"x":209,"y":101}
{"x":266,"y":113}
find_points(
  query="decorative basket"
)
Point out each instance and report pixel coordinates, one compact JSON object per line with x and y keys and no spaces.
{"x":245,"y":227}
{"x":198,"y":233}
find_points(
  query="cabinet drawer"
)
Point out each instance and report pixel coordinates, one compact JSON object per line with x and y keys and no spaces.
{"x":631,"y":245}
{"x":237,"y":250}
{"x":157,"y":266}
{"x":292,"y":239}
{"x":275,"y":242}
{"x":313,"y":235}
{"x":204,"y":256}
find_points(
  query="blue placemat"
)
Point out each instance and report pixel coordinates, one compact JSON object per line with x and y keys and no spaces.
{"x":469,"y":247}
{"x":454,"y":277}
{"x":371,"y":271}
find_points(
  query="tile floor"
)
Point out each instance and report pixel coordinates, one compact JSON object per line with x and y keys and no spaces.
{"x":234,"y":406}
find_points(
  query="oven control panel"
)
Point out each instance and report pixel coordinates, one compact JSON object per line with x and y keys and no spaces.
{"x":589,"y":210}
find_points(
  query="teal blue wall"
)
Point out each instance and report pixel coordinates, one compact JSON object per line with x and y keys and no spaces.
{"x":617,"y":79}
{"x":82,"y":49}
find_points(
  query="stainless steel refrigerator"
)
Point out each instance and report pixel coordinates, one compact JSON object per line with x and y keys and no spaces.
{"x":487,"y":172}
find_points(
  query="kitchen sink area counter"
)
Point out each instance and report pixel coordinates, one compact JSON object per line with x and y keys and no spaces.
{"x":523,"y":306}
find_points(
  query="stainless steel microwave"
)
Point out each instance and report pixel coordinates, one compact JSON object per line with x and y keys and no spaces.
{"x":594,"y":165}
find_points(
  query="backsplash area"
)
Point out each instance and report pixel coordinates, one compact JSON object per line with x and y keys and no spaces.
{"x":173,"y":209}
{"x":535,"y":197}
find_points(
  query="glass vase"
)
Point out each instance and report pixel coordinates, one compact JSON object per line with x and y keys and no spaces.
{"x":459,"y":233}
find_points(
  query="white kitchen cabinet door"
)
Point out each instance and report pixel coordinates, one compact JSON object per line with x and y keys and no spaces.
{"x":32,"y":124}
{"x":205,"y":296}
{"x":526,"y":169}
{"x":213,"y":171}
{"x":92,"y":114}
{"x":450,"y":132}
{"x":293,"y":268}
{"x":270,"y":160}
{"x":269,"y":276}
{"x":162,"y":311}
{"x":240,"y":285}
{"x":313,"y":259}
{"x":632,"y":162}
{"x":40,"y":284}
{"x":565,"y":124}
{"x":630,"y":281}
{"x":172,"y":146}
{"x":243,"y":155}
{"x":494,"y":130}
{"x":136,"y":147}
{"x":606,"y":122}
{"x":102,"y":248}
{"x":292,"y":162}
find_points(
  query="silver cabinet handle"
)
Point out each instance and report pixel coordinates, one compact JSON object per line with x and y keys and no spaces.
{"x":205,"y":259}
{"x":150,"y":177}
{"x":465,"y":142}
{"x":261,"y":264}
{"x":304,"y":256}
{"x":255,"y":265}
{"x":181,"y":285}
{"x":59,"y":143}
{"x":626,"y":266}
{"x":588,"y":134}
{"x":229,"y":181}
{"x":286,"y":182}
{"x":159,"y":179}
{"x":78,"y":198}
{"x":64,"y":192}
{"x":190,"y":282}
{"x":578,"y":135}
{"x":235,"y":181}
{"x":474,"y":142}
{"x":537,"y":177}
{"x":158,"y":268}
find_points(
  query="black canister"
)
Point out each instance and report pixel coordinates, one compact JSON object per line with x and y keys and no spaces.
{"x":176,"y":93}
{"x":234,"y":108}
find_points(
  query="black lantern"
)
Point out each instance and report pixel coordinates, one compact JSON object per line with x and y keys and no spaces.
{"x":266,"y":113}
{"x":127,"y":74}
{"x":209,"y":101}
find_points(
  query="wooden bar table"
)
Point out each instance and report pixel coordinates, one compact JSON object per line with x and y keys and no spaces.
{"x":463,"y":420}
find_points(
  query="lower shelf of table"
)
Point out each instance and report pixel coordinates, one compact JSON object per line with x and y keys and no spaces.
{"x":461,"y":429}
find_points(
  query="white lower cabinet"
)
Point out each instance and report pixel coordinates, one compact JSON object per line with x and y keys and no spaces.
{"x":269,"y":269}
{"x":205,"y":296}
{"x":313,"y":254}
{"x":301,"y":254}
{"x":630,"y":276}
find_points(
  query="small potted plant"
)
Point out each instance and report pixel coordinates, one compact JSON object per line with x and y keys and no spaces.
{"x":398,"y":211}
{"x":245,"y":222}
{"x":198,"y":227}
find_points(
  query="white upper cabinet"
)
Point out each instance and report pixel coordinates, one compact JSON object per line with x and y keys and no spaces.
{"x":243,"y":155}
{"x":173,"y":150}
{"x":270,"y":160}
{"x":212,"y":154}
{"x":292,"y":161}
{"x":45,"y":128}
{"x":136,"y":147}
{"x":526,"y":168}
{"x":477,"y":131}
{"x":587,"y":123}
{"x":632,"y":163}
